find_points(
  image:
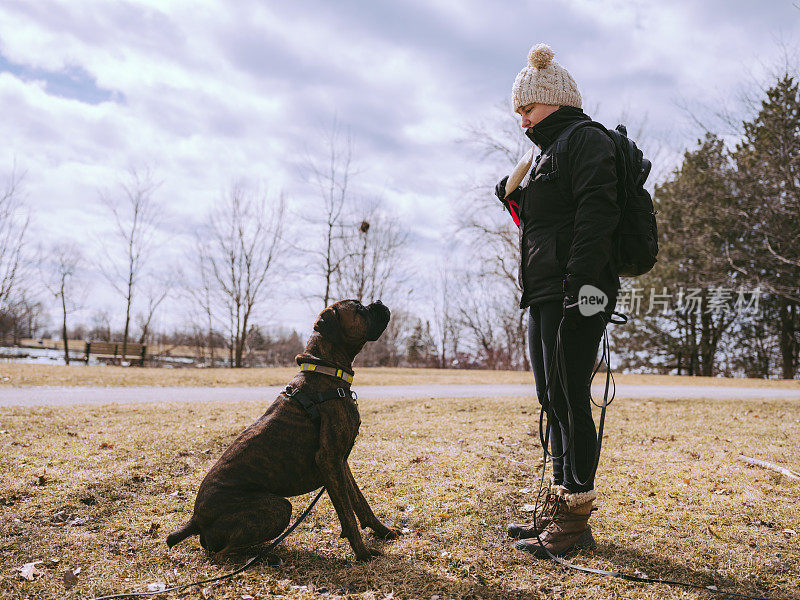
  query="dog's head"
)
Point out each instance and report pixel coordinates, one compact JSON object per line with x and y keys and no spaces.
{"x":349,"y":324}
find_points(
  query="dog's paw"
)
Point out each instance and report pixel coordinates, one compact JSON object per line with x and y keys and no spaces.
{"x":388,"y":533}
{"x":369,"y":555}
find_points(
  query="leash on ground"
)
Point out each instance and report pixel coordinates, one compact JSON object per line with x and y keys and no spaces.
{"x":544,"y":436}
{"x":245,"y":566}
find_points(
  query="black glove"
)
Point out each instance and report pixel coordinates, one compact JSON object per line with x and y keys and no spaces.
{"x":572,"y":313}
{"x":510,"y":203}
{"x":500,"y":192}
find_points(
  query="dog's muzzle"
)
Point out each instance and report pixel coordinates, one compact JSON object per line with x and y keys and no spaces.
{"x":379,"y":319}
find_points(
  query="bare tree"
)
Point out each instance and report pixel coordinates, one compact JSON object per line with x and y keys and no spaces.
{"x":14,"y":221}
{"x":361,"y":249}
{"x":101,"y":327}
{"x":372,"y":267}
{"x":333,"y":183}
{"x":21,"y":318}
{"x":388,"y":350}
{"x":242,"y":249}
{"x":27,"y":313}
{"x":498,"y":138}
{"x":61,"y":276}
{"x":447,"y":326}
{"x":135,"y":215}
{"x":200,"y":291}
{"x":492,"y":240}
{"x":157,"y":291}
{"x":478,"y":317}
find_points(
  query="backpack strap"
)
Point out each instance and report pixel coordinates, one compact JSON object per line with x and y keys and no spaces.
{"x":560,"y":153}
{"x":562,"y":141}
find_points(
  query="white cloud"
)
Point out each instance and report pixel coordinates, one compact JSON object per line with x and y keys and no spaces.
{"x":209,"y":91}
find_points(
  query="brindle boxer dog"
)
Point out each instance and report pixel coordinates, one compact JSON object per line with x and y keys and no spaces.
{"x":242,"y":500}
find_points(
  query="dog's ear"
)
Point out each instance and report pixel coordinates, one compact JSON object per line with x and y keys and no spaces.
{"x":328,"y":325}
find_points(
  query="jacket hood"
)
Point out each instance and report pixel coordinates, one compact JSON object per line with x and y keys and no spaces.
{"x":546,"y":131}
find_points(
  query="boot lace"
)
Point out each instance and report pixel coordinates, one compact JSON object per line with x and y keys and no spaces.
{"x":547,"y":501}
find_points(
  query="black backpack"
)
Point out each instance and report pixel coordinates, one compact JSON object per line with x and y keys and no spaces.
{"x":635,"y":240}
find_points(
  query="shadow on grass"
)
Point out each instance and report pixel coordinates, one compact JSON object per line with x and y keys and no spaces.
{"x":388,"y":573}
{"x":627,"y":559}
{"x":406,"y":577}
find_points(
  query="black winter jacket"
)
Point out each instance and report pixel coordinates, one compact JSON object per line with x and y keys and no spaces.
{"x":568,"y":214}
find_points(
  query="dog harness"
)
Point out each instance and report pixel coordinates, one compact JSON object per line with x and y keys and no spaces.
{"x":310,"y":402}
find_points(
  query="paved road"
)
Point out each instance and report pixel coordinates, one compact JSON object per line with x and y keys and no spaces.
{"x":60,"y":396}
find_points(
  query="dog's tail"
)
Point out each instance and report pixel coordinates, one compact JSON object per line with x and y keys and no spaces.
{"x":181,"y":534}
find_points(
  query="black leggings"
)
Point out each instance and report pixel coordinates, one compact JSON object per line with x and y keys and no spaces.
{"x":580,"y":351}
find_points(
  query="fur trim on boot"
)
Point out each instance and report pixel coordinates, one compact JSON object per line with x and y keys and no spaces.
{"x":574,"y":500}
{"x":568,"y":529}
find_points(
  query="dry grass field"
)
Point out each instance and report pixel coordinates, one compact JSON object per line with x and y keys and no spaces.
{"x":16,"y":374}
{"x":98,"y":488}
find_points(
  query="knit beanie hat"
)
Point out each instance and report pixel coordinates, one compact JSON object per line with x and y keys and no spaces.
{"x":544,"y":81}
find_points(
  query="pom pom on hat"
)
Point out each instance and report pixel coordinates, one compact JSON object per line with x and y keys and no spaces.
{"x":540,"y":56}
{"x":545,"y":81}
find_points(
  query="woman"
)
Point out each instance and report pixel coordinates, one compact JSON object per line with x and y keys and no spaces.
{"x":567,"y":211}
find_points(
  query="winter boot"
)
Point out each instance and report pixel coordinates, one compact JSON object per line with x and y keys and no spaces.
{"x":569,"y":528}
{"x":547,"y":502}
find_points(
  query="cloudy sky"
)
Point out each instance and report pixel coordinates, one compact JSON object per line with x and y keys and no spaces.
{"x":208,"y":92}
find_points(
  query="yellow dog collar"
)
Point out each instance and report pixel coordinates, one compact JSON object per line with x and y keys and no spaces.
{"x":339,"y":373}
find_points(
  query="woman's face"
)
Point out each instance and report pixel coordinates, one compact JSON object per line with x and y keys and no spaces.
{"x":533,"y":113}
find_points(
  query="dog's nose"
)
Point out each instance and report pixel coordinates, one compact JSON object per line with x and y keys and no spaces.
{"x":380,"y":308}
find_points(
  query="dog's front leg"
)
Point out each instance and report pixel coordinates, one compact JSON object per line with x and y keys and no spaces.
{"x":333,"y":474}
{"x":364,"y":512}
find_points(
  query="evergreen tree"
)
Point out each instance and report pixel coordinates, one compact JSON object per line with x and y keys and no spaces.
{"x":767,"y":204}
{"x":680,"y":319}
{"x":420,"y":347}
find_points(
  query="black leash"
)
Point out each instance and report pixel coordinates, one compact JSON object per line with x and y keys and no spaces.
{"x":246,"y":565}
{"x":545,"y":438}
{"x":560,"y":368}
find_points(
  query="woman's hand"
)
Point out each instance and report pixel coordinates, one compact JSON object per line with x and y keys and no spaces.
{"x":500,"y":191}
{"x":510,"y":202}
{"x":572,"y":313}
